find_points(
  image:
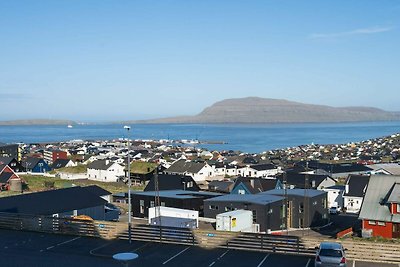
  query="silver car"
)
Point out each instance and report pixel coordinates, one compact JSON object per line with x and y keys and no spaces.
{"x":330,"y":254}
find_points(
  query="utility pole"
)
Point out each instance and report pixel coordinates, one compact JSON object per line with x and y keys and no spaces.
{"x":128,"y":128}
{"x":157,"y":203}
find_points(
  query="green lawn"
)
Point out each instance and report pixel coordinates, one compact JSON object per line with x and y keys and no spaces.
{"x":142,"y":167}
{"x":37,"y":183}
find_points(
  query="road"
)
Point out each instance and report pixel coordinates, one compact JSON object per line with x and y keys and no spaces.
{"x":37,"y":249}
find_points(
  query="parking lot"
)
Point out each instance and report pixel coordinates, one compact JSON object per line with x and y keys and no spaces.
{"x":38,"y":249}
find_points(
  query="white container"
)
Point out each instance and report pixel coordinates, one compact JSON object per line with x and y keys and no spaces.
{"x":174,"y":213}
{"x":235,"y":221}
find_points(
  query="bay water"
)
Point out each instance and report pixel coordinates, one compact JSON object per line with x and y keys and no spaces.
{"x":252,"y":138}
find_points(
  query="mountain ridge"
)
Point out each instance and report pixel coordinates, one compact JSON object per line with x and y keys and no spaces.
{"x":266,"y":110}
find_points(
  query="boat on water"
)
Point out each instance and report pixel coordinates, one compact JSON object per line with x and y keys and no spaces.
{"x":69,"y":126}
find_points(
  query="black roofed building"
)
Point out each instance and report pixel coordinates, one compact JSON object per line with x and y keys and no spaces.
{"x":36,"y":165}
{"x":62,"y":163}
{"x":249,"y":185}
{"x":65,"y":202}
{"x":354,"y":191}
{"x":181,"y":199}
{"x":224,"y":186}
{"x":12,"y":163}
{"x":172,"y":182}
{"x":269,"y":208}
{"x":311,"y":181}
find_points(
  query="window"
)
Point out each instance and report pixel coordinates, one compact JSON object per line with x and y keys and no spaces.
{"x":398,"y":208}
{"x":241,"y":192}
{"x":229,"y":209}
{"x":141,"y":202}
{"x":301,"y":208}
{"x":381,"y":223}
{"x":270,"y":211}
{"x":315,"y":203}
{"x":371,"y":222}
{"x":213,"y":207}
{"x":254,"y":216}
{"x":151,"y":204}
{"x":162,"y":204}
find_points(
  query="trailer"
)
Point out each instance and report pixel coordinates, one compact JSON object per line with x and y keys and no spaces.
{"x":178,"y":217}
{"x":235,"y":221}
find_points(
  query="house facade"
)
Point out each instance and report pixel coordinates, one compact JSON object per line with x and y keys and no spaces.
{"x":200,"y":171}
{"x":270,"y":211}
{"x":105,"y":171}
{"x":380,"y":213}
{"x":354,"y":191}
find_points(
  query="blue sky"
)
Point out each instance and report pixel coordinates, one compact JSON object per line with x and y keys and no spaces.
{"x":106,"y":60}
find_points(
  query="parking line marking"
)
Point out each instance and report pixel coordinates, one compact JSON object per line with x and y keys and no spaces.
{"x":63,"y":243}
{"x":223,"y":254}
{"x":263,"y":260}
{"x":173,"y":257}
{"x":308,"y":262}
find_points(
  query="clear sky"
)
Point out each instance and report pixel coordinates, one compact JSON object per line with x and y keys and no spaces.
{"x":106,"y":60}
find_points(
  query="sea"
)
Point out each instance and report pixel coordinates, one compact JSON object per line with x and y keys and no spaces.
{"x":249,"y":138}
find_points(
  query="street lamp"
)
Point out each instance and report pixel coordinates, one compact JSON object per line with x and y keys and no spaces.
{"x":128,"y":128}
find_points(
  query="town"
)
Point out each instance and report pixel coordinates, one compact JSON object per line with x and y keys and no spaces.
{"x":340,"y":191}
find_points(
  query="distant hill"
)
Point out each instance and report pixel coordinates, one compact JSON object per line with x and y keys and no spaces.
{"x":264,"y":110}
{"x":38,"y":122}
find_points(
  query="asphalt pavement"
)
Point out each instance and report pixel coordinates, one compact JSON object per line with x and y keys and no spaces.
{"x":38,"y":249}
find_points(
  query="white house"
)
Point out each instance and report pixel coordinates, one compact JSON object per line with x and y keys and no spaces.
{"x":353,"y":196}
{"x":335,"y":196}
{"x":105,"y":171}
{"x":199,"y":171}
{"x":260,"y":170}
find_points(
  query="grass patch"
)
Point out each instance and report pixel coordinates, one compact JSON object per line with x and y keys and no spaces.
{"x":37,"y":183}
{"x":77,"y":169}
{"x":142,"y":167}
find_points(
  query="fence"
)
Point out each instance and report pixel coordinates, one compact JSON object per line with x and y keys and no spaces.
{"x":357,"y":250}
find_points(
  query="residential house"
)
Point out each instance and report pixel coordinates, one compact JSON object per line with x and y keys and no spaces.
{"x":259,"y":170}
{"x":335,"y":196}
{"x":63,"y":163}
{"x":36,"y":165}
{"x":105,"y":171}
{"x":200,"y":171}
{"x":223,"y":186}
{"x":12,"y":163}
{"x":301,"y":180}
{"x":7,"y":176}
{"x":249,"y":185}
{"x":354,"y":191}
{"x":380,"y":212}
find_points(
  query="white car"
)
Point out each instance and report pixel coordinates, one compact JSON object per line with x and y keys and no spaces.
{"x":333,"y":210}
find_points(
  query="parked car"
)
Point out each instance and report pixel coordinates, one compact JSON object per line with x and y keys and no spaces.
{"x":333,"y":210}
{"x":330,"y":254}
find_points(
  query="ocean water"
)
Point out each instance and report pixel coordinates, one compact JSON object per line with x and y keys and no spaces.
{"x":247,"y":138}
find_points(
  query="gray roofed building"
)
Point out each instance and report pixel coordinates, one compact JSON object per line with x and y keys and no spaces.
{"x":100,"y":164}
{"x":380,"y":210}
{"x":376,"y":200}
{"x":183,"y":166}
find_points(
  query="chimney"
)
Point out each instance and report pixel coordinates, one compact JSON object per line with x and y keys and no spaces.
{"x":346,"y":188}
{"x":313,"y":183}
{"x":252,"y":182}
